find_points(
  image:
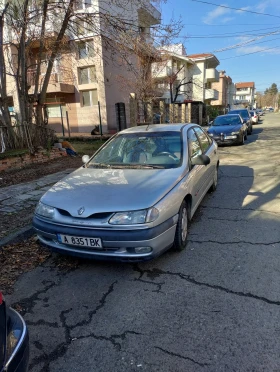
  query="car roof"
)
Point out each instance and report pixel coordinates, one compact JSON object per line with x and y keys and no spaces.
{"x":220,"y":116}
{"x":158,"y":128}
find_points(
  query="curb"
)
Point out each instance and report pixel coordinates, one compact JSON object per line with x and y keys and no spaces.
{"x":19,"y":235}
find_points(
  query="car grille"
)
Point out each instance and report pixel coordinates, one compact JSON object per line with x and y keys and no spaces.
{"x":97,"y":216}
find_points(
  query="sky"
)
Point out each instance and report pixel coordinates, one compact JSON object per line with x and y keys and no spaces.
{"x":246,"y":43}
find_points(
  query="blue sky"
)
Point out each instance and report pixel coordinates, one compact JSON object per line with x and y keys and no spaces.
{"x":230,"y":34}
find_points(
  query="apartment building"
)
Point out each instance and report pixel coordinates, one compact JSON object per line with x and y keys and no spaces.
{"x":171,"y":74}
{"x":89,"y":77}
{"x":245,"y":93}
{"x":204,"y":73}
{"x":226,"y":89}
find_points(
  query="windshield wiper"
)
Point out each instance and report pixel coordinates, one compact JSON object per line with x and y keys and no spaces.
{"x":99,"y":165}
{"x":138,"y":166}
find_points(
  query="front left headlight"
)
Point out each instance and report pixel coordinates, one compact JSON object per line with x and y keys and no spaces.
{"x":235,"y":132}
{"x":134,"y":217}
{"x":44,"y":210}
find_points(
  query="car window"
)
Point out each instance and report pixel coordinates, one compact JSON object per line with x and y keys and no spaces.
{"x":243,"y":113}
{"x":227,"y":120}
{"x":193,"y":144}
{"x":162,"y":149}
{"x":204,"y":141}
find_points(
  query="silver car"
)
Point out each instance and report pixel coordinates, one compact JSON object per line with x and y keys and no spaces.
{"x":134,"y":198}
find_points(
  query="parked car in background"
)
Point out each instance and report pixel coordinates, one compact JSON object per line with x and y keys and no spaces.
{"x":14,"y":341}
{"x":260,"y":112}
{"x":254,"y":116}
{"x":134,"y":198}
{"x":245,"y":115}
{"x":228,"y":129}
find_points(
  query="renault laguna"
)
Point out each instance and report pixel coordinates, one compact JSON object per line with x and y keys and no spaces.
{"x":134,"y":198}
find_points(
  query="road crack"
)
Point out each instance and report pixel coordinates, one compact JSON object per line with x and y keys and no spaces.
{"x":157,"y":272}
{"x":170,"y":353}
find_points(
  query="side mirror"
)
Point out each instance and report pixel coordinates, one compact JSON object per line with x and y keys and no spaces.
{"x":210,"y":123}
{"x":85,"y":159}
{"x":200,"y":160}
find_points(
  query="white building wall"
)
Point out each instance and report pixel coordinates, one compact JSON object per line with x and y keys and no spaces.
{"x":197,"y":73}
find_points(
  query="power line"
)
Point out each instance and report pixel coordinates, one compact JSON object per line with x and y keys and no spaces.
{"x":243,"y":45}
{"x":228,"y":34}
{"x":259,"y":51}
{"x":239,"y":9}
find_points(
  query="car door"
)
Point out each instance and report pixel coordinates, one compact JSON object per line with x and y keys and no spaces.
{"x":209,"y":150}
{"x":198,"y":173}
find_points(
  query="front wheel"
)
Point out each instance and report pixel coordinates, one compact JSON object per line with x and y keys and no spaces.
{"x":242,"y":140}
{"x":180,"y":240}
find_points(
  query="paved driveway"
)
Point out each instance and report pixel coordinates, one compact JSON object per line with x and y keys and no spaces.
{"x":214,"y":307}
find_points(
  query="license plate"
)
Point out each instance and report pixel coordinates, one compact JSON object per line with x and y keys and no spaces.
{"x":80,"y":241}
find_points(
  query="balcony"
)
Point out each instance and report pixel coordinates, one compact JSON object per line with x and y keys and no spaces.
{"x":211,"y":75}
{"x":148,"y":15}
{"x":211,"y":94}
{"x":59,"y":82}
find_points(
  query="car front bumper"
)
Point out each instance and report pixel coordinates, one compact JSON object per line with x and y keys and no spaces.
{"x":117,"y":244}
{"x":227,"y":140}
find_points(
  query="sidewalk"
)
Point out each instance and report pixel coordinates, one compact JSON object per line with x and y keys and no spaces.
{"x":17,"y":204}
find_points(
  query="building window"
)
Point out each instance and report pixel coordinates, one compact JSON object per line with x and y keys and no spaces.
{"x":83,"y":4}
{"x":87,"y":75}
{"x":85,"y":49}
{"x":82,"y":27}
{"x":89,"y":98}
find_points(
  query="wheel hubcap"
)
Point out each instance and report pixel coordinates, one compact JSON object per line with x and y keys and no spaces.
{"x":184,"y":224}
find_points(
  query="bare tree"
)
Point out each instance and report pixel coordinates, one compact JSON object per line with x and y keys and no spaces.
{"x":38,"y":31}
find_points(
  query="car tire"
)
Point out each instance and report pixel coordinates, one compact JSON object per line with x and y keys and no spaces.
{"x":181,"y":234}
{"x":215,"y":180}
{"x":251,"y":130}
{"x":246,"y":136}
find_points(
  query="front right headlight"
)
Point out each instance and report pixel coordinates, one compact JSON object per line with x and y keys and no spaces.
{"x":44,"y":210}
{"x":134,"y":217}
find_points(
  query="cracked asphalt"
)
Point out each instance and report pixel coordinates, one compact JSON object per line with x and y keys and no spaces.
{"x":214,"y":307}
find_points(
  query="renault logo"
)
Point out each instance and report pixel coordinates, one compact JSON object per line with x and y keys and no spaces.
{"x":81,"y":211}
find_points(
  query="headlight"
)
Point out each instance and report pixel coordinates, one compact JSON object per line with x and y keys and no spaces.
{"x":44,"y":210}
{"x":134,"y":217}
{"x":210,"y":134}
{"x":234,"y":132}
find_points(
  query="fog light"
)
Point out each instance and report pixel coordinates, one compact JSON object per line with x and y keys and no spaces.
{"x":142,"y":249}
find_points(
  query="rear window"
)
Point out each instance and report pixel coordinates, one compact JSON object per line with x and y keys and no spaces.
{"x":242,"y":113}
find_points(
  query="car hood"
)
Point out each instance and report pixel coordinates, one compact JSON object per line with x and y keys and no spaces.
{"x":111,"y":190}
{"x":225,"y":129}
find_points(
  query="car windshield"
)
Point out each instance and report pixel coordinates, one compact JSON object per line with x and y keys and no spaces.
{"x":147,"y":150}
{"x":226,"y":120}
{"x":242,"y":113}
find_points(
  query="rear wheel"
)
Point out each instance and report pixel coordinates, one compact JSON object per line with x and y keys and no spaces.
{"x":180,"y":240}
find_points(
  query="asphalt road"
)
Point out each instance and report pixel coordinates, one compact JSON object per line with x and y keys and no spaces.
{"x":214,"y":307}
